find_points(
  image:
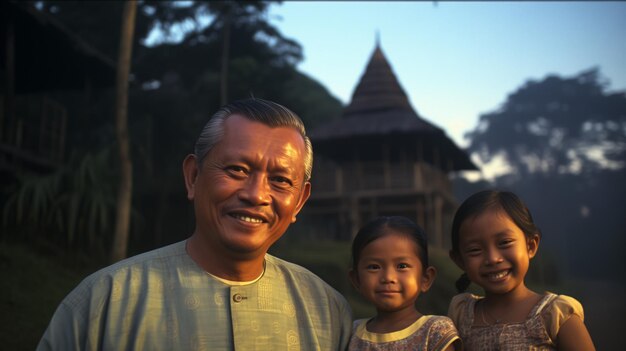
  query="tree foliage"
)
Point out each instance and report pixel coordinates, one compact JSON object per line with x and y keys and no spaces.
{"x":565,"y":142}
{"x":72,"y":207}
{"x":556,"y":126}
{"x":175,"y":87}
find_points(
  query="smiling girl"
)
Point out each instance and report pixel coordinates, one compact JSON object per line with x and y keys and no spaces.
{"x":494,"y":239}
{"x":390,"y":269}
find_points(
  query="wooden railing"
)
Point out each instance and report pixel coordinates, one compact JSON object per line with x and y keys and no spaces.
{"x":333,"y":179}
{"x":35,"y":131}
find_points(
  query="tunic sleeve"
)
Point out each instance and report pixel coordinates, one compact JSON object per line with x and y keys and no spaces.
{"x":559,"y":311}
{"x":71,"y":326}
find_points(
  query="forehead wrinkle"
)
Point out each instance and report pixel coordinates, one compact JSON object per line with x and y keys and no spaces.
{"x":288,"y":154}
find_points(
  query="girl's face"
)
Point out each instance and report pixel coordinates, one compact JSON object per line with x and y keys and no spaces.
{"x":494,"y":252}
{"x":389,"y":273}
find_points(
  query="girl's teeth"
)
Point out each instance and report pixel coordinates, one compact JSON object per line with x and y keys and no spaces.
{"x":498,"y":275}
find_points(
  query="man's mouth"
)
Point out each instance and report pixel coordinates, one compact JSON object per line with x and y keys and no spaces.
{"x":246,"y":218}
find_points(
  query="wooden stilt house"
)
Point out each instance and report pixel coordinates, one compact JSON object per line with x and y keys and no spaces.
{"x":39,"y":59}
{"x":382,"y":158}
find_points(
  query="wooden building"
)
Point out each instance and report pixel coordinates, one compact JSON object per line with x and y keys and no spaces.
{"x":40,"y":59}
{"x":382,"y":158}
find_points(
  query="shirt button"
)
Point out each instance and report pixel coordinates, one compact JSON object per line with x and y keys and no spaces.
{"x":237,"y":298}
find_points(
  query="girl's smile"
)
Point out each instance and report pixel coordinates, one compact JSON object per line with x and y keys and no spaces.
{"x":494,"y":251}
{"x":390,"y":274}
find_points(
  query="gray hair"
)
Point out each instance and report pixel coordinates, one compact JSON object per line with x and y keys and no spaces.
{"x":258,"y":110}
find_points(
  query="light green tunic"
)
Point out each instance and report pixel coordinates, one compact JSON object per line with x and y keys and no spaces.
{"x":161,"y":300}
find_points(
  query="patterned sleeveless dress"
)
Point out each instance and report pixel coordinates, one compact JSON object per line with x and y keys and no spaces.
{"x":537,"y":332}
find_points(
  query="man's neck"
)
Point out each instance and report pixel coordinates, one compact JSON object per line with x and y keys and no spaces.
{"x":223,"y":264}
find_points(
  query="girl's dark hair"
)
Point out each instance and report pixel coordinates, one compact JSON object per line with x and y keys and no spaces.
{"x":380,"y":226}
{"x":485,"y":200}
{"x":462,"y":283}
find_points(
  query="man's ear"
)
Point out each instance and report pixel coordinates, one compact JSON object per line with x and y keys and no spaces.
{"x":454,"y":256}
{"x":428,"y":278}
{"x":304,"y":195}
{"x":533,"y":245}
{"x":190,"y":173}
{"x":354,"y":278}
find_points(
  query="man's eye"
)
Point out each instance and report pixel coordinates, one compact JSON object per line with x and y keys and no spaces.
{"x":281,"y":180}
{"x":236,"y":170}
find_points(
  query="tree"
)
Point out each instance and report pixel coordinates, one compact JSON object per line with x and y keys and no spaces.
{"x":124,"y":195}
{"x":564,"y":140}
{"x":556,"y":126}
{"x":175,"y":86}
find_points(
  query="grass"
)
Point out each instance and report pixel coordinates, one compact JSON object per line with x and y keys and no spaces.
{"x":32,"y":287}
{"x":331,"y":260}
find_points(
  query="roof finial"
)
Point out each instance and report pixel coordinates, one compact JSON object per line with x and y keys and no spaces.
{"x":377,"y":38}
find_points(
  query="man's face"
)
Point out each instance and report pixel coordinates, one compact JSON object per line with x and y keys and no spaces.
{"x":250,"y":186}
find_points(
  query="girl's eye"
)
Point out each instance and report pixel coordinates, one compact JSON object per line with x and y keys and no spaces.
{"x":372,"y":267}
{"x":403,"y":266}
{"x":506,"y":242}
{"x":473,"y":251}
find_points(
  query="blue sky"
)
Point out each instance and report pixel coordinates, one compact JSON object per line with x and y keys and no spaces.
{"x":456,"y":60}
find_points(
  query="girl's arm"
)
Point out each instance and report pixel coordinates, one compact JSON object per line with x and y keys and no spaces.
{"x":573,"y":335}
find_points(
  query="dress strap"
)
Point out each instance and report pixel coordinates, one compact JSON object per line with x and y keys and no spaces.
{"x":545,"y":301}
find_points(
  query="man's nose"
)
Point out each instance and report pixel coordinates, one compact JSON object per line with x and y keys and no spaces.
{"x":256,"y":191}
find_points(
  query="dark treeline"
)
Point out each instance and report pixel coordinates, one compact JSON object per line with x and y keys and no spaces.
{"x":565,"y":142}
{"x":564,"y":138}
{"x":175,"y":86}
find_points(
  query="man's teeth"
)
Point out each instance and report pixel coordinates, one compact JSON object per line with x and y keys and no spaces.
{"x":248,"y":219}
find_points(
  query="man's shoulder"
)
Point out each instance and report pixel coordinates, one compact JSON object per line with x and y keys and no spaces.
{"x":157,"y":259}
{"x":156,"y":256}
{"x":301,"y":274}
{"x":292,"y":268}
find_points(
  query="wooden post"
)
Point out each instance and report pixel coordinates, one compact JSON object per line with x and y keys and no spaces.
{"x":419,"y":212}
{"x":359,"y":169}
{"x":438,"y":221}
{"x":225,"y":60}
{"x":339,"y":179}
{"x":386,"y":167}
{"x":355,"y":217}
{"x":417,"y":167}
{"x":418,"y":183}
{"x":125,"y":190}
{"x":374,"y":206}
{"x":9,"y":83}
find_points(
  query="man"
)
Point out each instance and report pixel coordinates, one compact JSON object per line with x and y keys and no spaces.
{"x":219,"y":290}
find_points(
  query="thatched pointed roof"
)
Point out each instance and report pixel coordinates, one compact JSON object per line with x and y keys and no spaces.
{"x":380,"y":110}
{"x":378,"y":89}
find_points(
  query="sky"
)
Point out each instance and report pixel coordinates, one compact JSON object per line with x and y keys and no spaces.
{"x":456,"y":60}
